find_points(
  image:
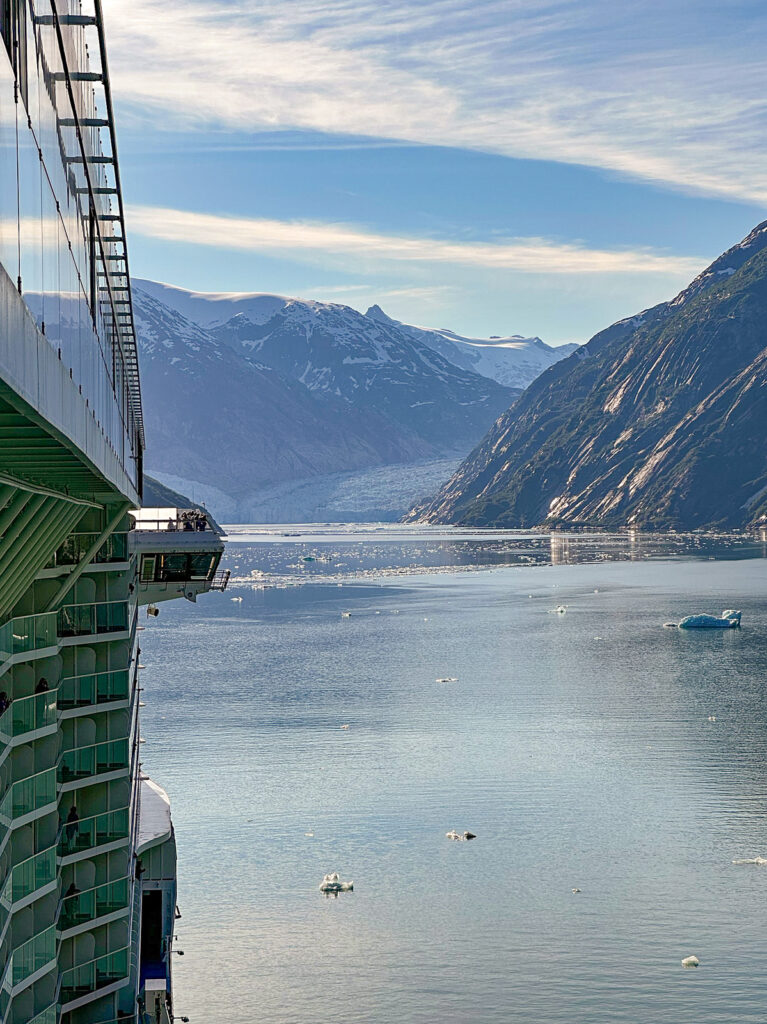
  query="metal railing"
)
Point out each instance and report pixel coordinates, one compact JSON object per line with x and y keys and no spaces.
{"x":93,"y":759}
{"x":92,"y":618}
{"x":29,"y":875}
{"x":74,"y":548}
{"x":25,"y":714}
{"x":28,"y":795}
{"x":189,"y":520}
{"x":220,"y":579}
{"x":90,"y":833}
{"x":27,"y":633}
{"x":79,"y":908}
{"x":96,"y":974}
{"x":33,"y":955}
{"x":93,"y":688}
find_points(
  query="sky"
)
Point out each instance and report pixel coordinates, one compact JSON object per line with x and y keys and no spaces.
{"x":534,"y":167}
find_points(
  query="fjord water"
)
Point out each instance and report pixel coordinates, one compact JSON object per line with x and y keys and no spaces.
{"x":578,"y":746}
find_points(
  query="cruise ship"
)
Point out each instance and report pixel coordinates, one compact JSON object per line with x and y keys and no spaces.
{"x":87,"y":851}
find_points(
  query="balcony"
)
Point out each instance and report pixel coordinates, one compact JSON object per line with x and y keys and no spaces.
{"x":28,"y":795}
{"x":26,"y":714}
{"x":91,"y":619}
{"x":29,"y":875}
{"x":76,"y":546}
{"x":49,"y":1015}
{"x":33,"y":955}
{"x":95,"y":688}
{"x":90,"y":833}
{"x":90,"y":977}
{"x":27,"y":633}
{"x":83,"y":907}
{"x":94,"y":759}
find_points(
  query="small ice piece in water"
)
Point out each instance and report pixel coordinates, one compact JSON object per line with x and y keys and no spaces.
{"x":691,"y":961}
{"x":346,"y":615}
{"x":237,"y":599}
{"x":712,"y":718}
{"x":729,"y":619}
{"x":447,"y":679}
{"x":309,"y":835}
{"x":560,"y":610}
{"x":332,"y":883}
{"x":459,"y":836}
{"x":576,"y":890}
{"x":344,"y":726}
{"x":752,"y":860}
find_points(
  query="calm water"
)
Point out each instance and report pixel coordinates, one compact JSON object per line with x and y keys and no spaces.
{"x":577,"y":746}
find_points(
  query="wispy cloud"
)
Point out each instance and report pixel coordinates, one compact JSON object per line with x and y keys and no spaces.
{"x":314,"y":242}
{"x":671,"y":93}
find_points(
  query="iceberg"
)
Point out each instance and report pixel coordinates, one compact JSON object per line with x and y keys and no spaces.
{"x":332,"y":883}
{"x":729,"y":619}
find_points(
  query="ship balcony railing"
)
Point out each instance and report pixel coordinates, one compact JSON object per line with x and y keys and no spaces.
{"x":29,"y":875}
{"x":93,"y":759}
{"x":33,"y":955}
{"x":220,"y":579}
{"x":49,"y":1015}
{"x":77,"y":545}
{"x":91,"y":904}
{"x":26,"y":714}
{"x":27,"y":633}
{"x":93,"y":688}
{"x":91,"y":833}
{"x":188,"y":520}
{"x":28,"y":795}
{"x":93,"y":618}
{"x":97,"y":974}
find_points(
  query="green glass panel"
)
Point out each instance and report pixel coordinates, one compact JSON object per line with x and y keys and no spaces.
{"x":88,"y":833}
{"x":33,"y":955}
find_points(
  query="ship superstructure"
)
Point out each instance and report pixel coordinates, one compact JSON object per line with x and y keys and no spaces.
{"x":87,"y":854}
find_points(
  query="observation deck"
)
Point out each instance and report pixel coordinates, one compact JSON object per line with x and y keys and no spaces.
{"x":180,"y":550}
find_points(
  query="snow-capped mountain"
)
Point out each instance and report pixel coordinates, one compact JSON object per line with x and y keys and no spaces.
{"x":259,"y":390}
{"x":514,"y":361}
{"x":659,"y":421}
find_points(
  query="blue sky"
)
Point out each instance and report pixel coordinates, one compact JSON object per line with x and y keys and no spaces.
{"x":495,"y":167}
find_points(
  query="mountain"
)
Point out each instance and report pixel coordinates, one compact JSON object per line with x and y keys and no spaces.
{"x":658,"y":422}
{"x":514,"y":361}
{"x":260,"y":391}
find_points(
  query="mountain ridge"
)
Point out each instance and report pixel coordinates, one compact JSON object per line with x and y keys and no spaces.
{"x":635,"y":427}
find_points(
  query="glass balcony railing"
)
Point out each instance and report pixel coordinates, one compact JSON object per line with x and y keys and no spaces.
{"x":28,"y":795}
{"x":26,"y":714}
{"x":96,"y":688}
{"x":33,"y":955}
{"x":27,"y":633}
{"x":95,"y":759}
{"x":90,"y":833}
{"x":87,"y":619}
{"x":90,"y":977}
{"x":82,"y":907}
{"x":49,"y":1015}
{"x":31,"y":874}
{"x":76,"y":546}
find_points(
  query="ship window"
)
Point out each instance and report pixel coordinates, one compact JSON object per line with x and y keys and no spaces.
{"x":148,"y":563}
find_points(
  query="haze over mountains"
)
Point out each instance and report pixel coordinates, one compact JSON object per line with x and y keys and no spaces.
{"x":272,"y":408}
{"x":659,"y":421}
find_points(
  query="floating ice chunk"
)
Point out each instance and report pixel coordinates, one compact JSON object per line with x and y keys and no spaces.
{"x":237,"y":599}
{"x":332,"y":883}
{"x":346,"y":615}
{"x":691,"y":961}
{"x":309,"y":835}
{"x":729,"y":619}
{"x":560,"y":610}
{"x":576,"y":890}
{"x":344,"y":726}
{"x":460,"y":836}
{"x":712,"y":718}
{"x":752,"y":860}
{"x":447,"y":679}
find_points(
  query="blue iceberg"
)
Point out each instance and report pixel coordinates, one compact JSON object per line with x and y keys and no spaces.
{"x":729,"y":619}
